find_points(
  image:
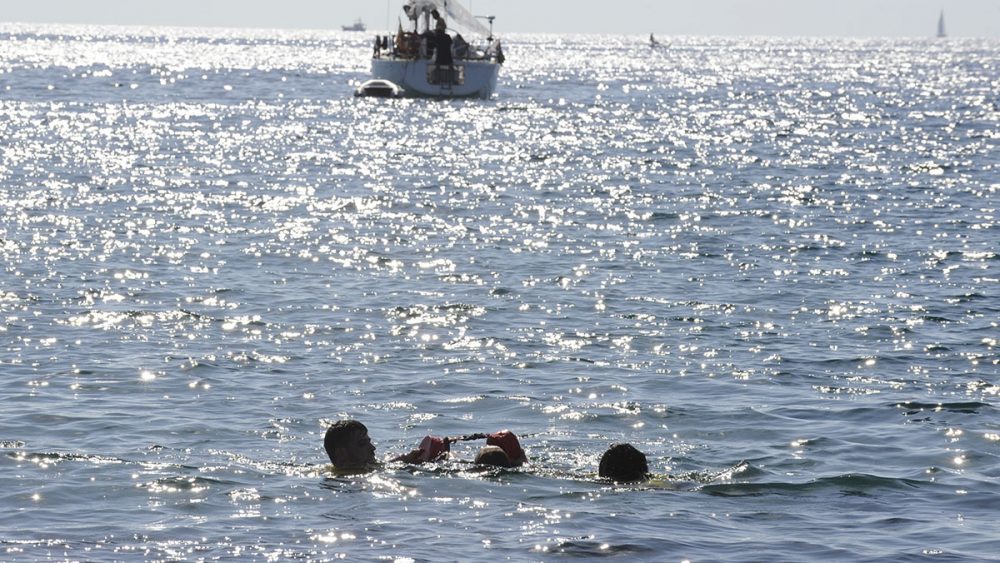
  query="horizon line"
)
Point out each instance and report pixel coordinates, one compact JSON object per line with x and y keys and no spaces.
{"x":194,"y":26}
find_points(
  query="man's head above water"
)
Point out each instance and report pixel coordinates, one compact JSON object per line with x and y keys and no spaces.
{"x":493,"y":456}
{"x":348,"y":445}
{"x":623,"y":463}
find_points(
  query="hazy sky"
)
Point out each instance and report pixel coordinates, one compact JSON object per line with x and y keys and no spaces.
{"x":965,"y":18}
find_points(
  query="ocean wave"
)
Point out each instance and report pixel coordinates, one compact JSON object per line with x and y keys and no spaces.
{"x":851,"y":483}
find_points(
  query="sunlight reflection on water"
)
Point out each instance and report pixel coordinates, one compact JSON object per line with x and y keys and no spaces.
{"x":713,"y":250}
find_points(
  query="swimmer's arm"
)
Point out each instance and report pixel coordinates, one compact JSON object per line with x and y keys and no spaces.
{"x":466,"y":438}
{"x":429,"y":451}
{"x":414,"y":457}
{"x":431,"y":448}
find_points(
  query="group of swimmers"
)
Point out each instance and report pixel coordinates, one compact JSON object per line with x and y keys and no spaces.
{"x":351,"y":449}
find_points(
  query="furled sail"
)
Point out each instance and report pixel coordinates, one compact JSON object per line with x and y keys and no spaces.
{"x":453,"y":12}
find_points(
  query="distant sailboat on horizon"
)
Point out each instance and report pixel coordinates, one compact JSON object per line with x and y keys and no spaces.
{"x":358,"y":25}
{"x":941,"y":31}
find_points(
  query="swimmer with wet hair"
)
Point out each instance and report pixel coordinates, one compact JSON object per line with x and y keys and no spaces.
{"x":493,"y":456}
{"x":507,"y":441}
{"x":623,"y":463}
{"x":349,"y":447}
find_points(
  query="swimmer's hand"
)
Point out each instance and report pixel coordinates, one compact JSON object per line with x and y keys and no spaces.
{"x":432,"y":448}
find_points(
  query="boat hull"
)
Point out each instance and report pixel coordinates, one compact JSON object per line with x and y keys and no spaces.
{"x":422,"y":78}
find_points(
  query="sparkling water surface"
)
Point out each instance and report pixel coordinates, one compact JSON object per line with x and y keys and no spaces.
{"x":772,"y":265}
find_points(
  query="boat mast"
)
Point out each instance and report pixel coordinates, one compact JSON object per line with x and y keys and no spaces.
{"x":941,"y":30}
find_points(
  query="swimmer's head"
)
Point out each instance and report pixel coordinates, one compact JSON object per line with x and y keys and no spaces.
{"x":508,"y":442}
{"x":348,"y":445}
{"x":493,"y":455}
{"x":623,"y":463}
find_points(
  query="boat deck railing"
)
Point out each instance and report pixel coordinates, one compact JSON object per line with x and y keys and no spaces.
{"x":412,"y":46}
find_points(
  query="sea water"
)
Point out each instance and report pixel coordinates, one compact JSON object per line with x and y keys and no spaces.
{"x":770,"y":264}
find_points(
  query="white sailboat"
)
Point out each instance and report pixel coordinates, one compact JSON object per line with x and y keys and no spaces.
{"x":423,"y":63}
{"x":941,"y":31}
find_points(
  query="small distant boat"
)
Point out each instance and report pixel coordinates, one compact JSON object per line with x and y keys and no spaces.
{"x":941,"y":31}
{"x":358,"y":25}
{"x":653,"y":42}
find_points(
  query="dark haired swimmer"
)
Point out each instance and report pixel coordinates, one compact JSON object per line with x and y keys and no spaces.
{"x":493,"y":456}
{"x":508,"y":442}
{"x":623,"y":463}
{"x":349,"y":447}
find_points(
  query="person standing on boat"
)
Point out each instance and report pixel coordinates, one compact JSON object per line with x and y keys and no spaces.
{"x":428,"y":41}
{"x":442,"y":45}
